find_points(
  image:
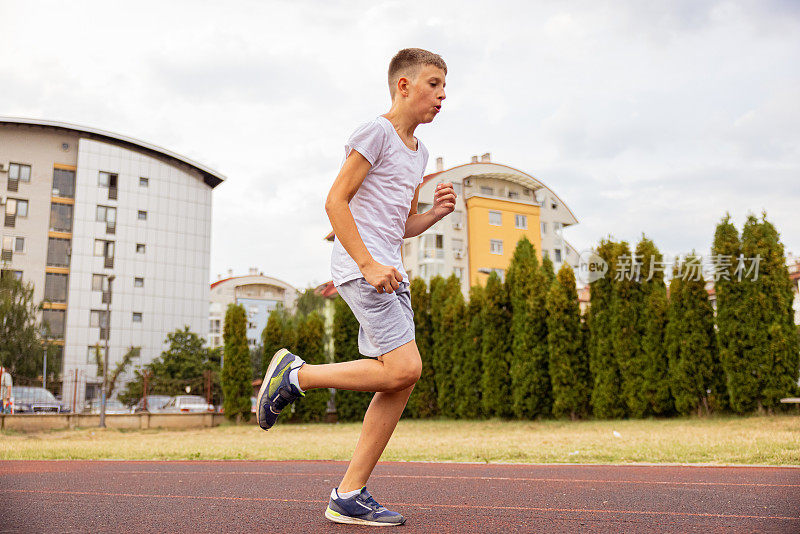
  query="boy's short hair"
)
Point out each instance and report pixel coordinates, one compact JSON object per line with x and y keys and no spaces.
{"x":408,"y":61}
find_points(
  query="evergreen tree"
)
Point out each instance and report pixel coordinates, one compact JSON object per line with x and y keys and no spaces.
{"x":279,"y":333}
{"x":309,"y":301}
{"x":568,"y":363}
{"x":654,"y":396}
{"x":771,"y":339}
{"x":310,"y":345}
{"x":732,"y":317}
{"x":423,"y":401}
{"x":627,"y":310}
{"x":236,"y":383}
{"x":495,"y":382}
{"x":607,"y":400}
{"x":527,"y":286}
{"x":549,"y":271}
{"x":441,"y":345}
{"x":468,"y":379}
{"x":350,"y":405}
{"x":690,"y":339}
{"x":450,"y":346}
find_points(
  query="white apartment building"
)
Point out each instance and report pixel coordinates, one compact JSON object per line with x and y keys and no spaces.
{"x":258,"y":294}
{"x":82,"y":204}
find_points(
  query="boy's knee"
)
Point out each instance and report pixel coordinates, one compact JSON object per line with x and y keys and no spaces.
{"x":407,"y":376}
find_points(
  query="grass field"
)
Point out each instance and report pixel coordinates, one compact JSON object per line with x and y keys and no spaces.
{"x":717,"y":440}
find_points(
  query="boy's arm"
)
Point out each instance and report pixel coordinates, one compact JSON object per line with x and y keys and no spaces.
{"x":383,"y":277}
{"x":444,"y":202}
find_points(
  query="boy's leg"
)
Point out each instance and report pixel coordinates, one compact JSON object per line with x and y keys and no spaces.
{"x":380,"y":420}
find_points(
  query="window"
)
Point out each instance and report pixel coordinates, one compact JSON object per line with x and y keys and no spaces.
{"x":91,"y":353}
{"x":553,"y":204}
{"x":8,"y":249}
{"x":137,"y":317}
{"x":557,"y":254}
{"x":544,"y":228}
{"x":15,"y":208}
{"x":557,"y":226}
{"x":521,"y":222}
{"x":215,"y":326}
{"x":459,"y":272}
{"x":439,"y":241}
{"x":496,"y":246}
{"x":500,"y":272}
{"x":58,"y":252}
{"x":99,"y":282}
{"x":63,"y":183}
{"x":61,"y":217}
{"x":458,"y":244}
{"x":9,"y":272}
{"x":142,"y":215}
{"x":19,"y":244}
{"x":495,"y":218}
{"x":486,"y":190}
{"x":545,"y":254}
{"x":140,"y":248}
{"x":19,"y":171}
{"x":138,"y":282}
{"x":55,"y":287}
{"x":105,"y":249}
{"x":108,"y":215}
{"x":99,"y":319}
{"x":457,"y":217}
{"x":144,"y":182}
{"x":54,"y":319}
{"x":513,"y":194}
{"x":109,"y":180}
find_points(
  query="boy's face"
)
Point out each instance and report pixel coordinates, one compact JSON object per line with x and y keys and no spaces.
{"x":426,"y":92}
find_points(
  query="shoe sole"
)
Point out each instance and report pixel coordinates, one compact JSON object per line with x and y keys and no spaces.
{"x":265,"y":384}
{"x":339,"y":518}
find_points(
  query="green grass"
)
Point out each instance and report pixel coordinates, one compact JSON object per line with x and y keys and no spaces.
{"x":771,"y":440}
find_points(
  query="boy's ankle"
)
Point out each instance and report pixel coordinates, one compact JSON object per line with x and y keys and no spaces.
{"x":304,"y":385}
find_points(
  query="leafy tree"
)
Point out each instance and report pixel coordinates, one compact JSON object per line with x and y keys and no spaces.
{"x":653,"y":396}
{"x":277,"y":334}
{"x":771,"y":340}
{"x":495,"y":350}
{"x":527,"y":285}
{"x":184,"y":363}
{"x":423,"y":401}
{"x":470,"y":373}
{"x":607,"y":401}
{"x":111,"y":380}
{"x":568,"y":361}
{"x":350,"y":405}
{"x":690,"y":339}
{"x":310,"y":346}
{"x":21,"y":351}
{"x":236,"y":383}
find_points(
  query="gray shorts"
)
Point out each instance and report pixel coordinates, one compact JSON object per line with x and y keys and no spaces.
{"x":386,"y":320}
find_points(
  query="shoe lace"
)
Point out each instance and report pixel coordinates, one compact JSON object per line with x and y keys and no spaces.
{"x":375,"y":505}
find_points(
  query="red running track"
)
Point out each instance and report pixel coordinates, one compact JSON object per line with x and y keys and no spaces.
{"x":258,"y":496}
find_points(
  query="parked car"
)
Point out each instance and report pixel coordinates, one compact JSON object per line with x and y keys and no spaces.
{"x":113,"y":407}
{"x":29,"y":399}
{"x":187,"y":404}
{"x":155,"y":404}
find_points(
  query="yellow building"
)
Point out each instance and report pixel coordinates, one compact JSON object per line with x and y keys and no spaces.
{"x":496,"y":205}
{"x":494,"y":227}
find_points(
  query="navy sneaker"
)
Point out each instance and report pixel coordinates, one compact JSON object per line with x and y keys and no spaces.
{"x":276,"y":391}
{"x":361,"y":509}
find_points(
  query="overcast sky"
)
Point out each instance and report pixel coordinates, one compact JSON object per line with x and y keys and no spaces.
{"x":641,"y":118}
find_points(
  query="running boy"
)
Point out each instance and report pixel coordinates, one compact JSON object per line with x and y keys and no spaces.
{"x":372,"y":207}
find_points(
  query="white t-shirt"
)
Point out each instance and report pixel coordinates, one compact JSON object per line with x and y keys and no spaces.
{"x":380,"y":206}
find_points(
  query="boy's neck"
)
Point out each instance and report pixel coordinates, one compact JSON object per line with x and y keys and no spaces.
{"x":403,"y":124}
